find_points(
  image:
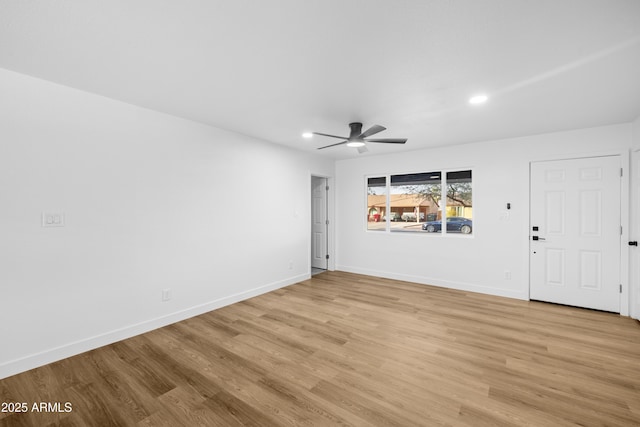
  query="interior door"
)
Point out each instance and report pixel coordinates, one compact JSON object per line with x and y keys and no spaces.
{"x":634,"y":237}
{"x":319,"y":222}
{"x":575,"y":232}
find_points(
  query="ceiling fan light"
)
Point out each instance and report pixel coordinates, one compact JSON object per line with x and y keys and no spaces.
{"x":355,"y":144}
{"x":307,"y":135}
{"x":478,"y":99}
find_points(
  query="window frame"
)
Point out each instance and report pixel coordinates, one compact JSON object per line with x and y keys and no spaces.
{"x":443,"y":197}
{"x":366,"y":193}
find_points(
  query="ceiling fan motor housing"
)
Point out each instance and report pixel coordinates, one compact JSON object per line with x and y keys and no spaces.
{"x":356,"y":130}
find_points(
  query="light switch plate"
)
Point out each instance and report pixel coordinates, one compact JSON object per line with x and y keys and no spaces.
{"x":53,"y":219}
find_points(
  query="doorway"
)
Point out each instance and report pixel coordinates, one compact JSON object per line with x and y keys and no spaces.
{"x":319,"y":225}
{"x":575,"y":229}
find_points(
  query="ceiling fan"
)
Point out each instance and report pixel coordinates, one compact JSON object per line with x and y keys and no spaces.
{"x":357,"y":138}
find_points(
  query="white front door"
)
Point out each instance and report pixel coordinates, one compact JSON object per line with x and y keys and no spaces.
{"x":319,"y":222}
{"x":575,"y":232}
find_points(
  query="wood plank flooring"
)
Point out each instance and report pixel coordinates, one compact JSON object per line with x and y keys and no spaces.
{"x":346,"y":349}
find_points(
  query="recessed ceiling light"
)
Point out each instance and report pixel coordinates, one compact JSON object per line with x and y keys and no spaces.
{"x":478,"y":99}
{"x":307,"y":135}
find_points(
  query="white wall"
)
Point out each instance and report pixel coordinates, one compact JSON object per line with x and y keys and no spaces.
{"x":151,"y":202}
{"x":500,"y":176}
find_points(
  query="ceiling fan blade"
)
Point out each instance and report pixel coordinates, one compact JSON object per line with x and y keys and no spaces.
{"x":331,"y":136}
{"x":362,"y":149}
{"x":372,"y":131}
{"x":388,"y":140}
{"x":333,"y":145}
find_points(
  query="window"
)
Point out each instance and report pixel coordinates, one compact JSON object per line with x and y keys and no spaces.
{"x":459,"y":202}
{"x":376,"y":203}
{"x":414,"y":199}
{"x":419,"y":202}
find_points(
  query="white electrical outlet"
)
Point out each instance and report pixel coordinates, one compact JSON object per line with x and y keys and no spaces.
{"x":53,"y":219}
{"x":290,"y":265}
{"x":507,"y":275}
{"x":166,"y":294}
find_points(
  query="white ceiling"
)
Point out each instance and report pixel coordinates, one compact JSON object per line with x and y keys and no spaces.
{"x":274,"y":69}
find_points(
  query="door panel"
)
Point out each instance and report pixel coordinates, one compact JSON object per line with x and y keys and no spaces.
{"x":590,"y":213}
{"x":575,"y":218}
{"x":555,"y":267}
{"x":591,"y":270}
{"x":555,"y":213}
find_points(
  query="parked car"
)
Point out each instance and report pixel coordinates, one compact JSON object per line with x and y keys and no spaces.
{"x":455,"y":224}
{"x":395,"y":217}
{"x":408,"y":217}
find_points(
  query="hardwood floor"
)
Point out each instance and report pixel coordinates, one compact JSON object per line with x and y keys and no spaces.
{"x":345,"y":349}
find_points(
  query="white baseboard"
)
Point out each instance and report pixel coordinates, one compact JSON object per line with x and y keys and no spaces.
{"x":469,"y":287}
{"x":32,"y":361}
